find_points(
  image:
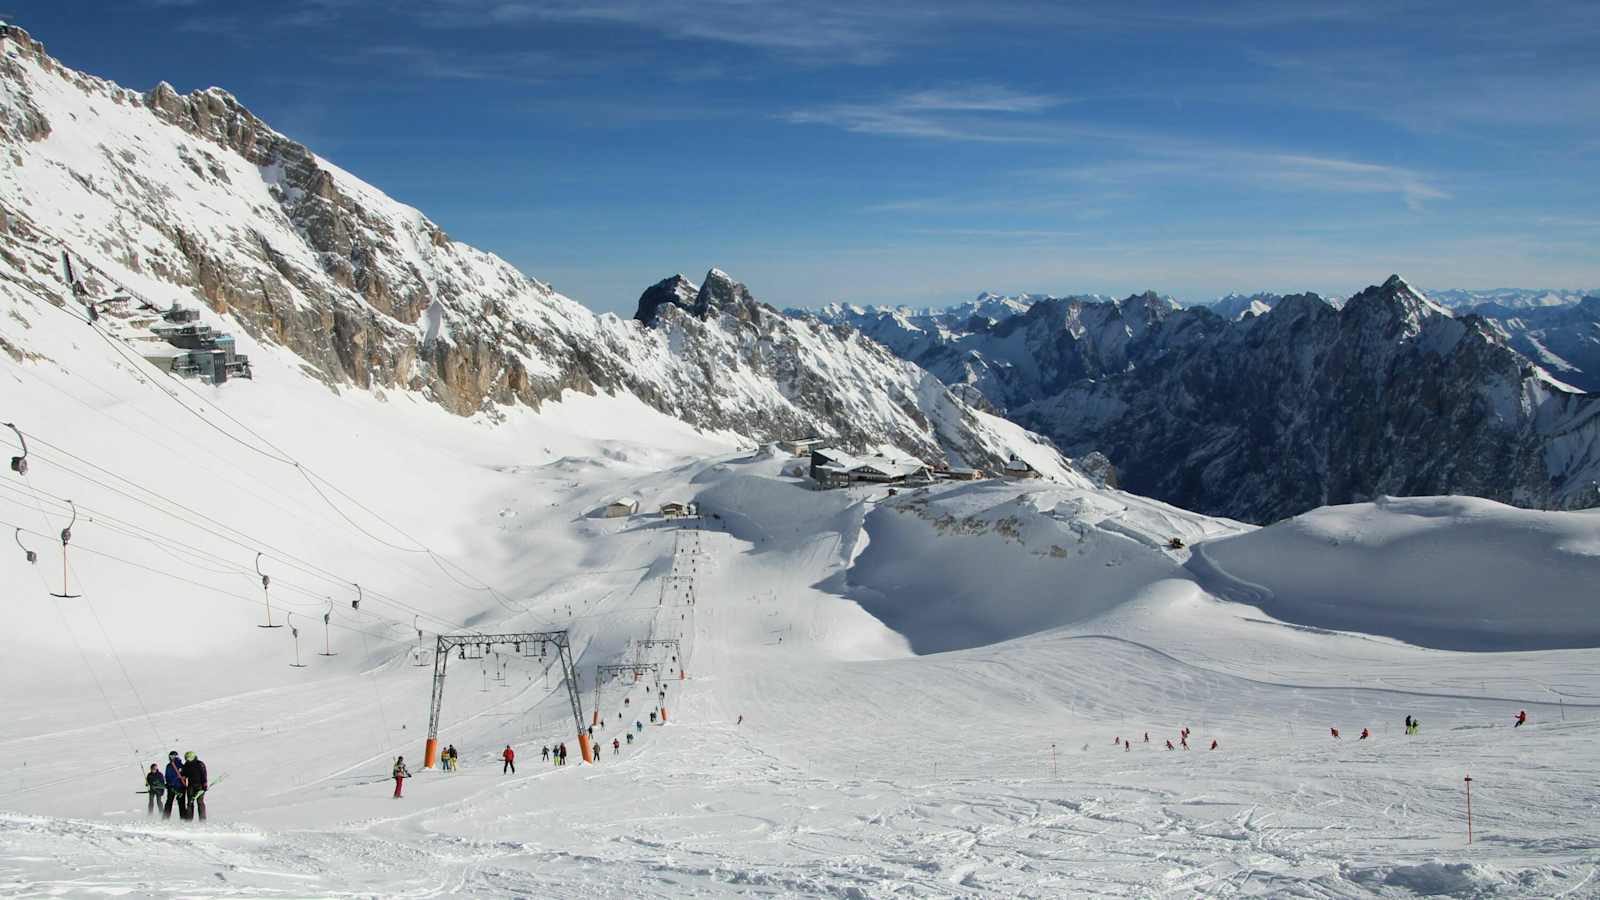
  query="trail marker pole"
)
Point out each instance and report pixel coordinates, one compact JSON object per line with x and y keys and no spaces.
{"x":1052,"y":760}
{"x":1469,"y":808}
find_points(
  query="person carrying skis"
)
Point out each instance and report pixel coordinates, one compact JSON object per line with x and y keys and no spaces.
{"x":195,"y":784}
{"x":155,"y":785}
{"x":1522,"y":719}
{"x":175,"y":792}
{"x":401,"y":773}
{"x":510,"y":757}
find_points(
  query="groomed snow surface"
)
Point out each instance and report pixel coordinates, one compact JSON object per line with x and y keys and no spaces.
{"x":930,"y":683}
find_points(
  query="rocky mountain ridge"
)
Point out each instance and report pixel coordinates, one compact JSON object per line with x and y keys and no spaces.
{"x":192,"y":197}
{"x":1272,"y":413}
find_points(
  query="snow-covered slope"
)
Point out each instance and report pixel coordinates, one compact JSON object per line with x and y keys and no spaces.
{"x":1563,"y":340}
{"x":192,"y":197}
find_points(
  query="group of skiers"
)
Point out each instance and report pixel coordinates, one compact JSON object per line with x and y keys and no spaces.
{"x":1414,"y":725}
{"x":183,"y":784}
{"x":1183,"y":741}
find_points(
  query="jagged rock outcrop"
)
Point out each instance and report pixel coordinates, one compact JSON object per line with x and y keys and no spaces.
{"x":177,"y":196}
{"x":1564,"y":339}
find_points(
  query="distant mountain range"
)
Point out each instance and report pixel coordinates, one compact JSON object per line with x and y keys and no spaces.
{"x":1286,"y":402}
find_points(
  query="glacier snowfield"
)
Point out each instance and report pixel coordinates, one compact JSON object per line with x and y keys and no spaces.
{"x":1051,"y":620}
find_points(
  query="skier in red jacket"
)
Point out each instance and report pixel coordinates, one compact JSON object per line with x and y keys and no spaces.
{"x":510,"y":757}
{"x":1522,"y":719}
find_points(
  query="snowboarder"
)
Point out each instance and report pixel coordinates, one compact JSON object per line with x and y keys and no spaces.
{"x":1213,"y":743}
{"x":401,"y":773}
{"x":1522,"y":719}
{"x":175,"y":792}
{"x":1365,"y":734}
{"x":510,"y":757}
{"x":1335,"y":731}
{"x":155,"y":785}
{"x":195,"y":784}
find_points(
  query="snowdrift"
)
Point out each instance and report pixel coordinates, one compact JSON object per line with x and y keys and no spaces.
{"x":1445,"y":572}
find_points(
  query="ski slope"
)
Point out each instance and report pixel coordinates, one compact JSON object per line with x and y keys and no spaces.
{"x":929,"y":683}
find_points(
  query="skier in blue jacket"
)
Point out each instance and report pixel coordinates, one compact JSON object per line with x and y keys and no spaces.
{"x":175,"y":791}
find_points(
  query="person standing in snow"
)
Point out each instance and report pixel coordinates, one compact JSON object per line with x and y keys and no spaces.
{"x":545,"y":752}
{"x":510,"y":760}
{"x":1147,"y":737}
{"x":154,"y":785}
{"x":616,"y":746}
{"x":1365,"y":734}
{"x":630,"y":737}
{"x":1408,"y":724}
{"x":195,"y":785}
{"x":175,"y":793}
{"x":401,"y":773}
{"x":1522,"y":719}
{"x":638,"y":725}
{"x":1169,"y":745}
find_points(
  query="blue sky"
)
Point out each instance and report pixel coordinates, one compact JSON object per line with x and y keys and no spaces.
{"x":918,"y":153}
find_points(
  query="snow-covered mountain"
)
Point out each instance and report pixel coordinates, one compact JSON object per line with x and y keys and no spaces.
{"x":194,"y":198}
{"x":1276,"y":404}
{"x":1565,"y":340}
{"x":1510,"y":298}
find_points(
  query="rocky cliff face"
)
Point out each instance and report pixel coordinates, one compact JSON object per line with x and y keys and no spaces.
{"x":180,"y":197}
{"x":1565,"y":340}
{"x":1299,"y":404}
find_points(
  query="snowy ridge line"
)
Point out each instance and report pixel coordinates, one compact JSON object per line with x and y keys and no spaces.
{"x":1317,"y":687}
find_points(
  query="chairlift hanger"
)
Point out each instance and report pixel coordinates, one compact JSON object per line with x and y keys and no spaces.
{"x":19,"y":464}
{"x":356,"y":603}
{"x":66,"y":538}
{"x":327,"y":640}
{"x":297,"y":664}
{"x":31,"y":556}
{"x":266,"y":593}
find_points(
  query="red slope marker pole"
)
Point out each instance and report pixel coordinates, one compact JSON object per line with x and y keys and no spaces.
{"x":1469,"y":808}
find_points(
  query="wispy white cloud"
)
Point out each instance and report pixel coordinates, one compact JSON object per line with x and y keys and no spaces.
{"x":1281,"y":171}
{"x":986,"y":113}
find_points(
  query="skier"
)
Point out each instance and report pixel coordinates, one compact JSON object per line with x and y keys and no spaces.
{"x":1213,"y":743}
{"x":638,"y":725}
{"x":175,"y":792}
{"x":1184,"y":741}
{"x":455,"y":759}
{"x":741,"y":719}
{"x":1169,"y":745}
{"x":1335,"y":731}
{"x":195,"y":784}
{"x":630,"y":737}
{"x":155,"y":785}
{"x":510,"y":757}
{"x":1408,"y":724}
{"x":1522,"y":719}
{"x":1365,"y":734}
{"x":652,"y":717}
{"x":1127,"y":746}
{"x":545,"y":752}
{"x":1147,"y":737}
{"x":401,"y":773}
{"x":1116,"y":741}
{"x":1416,"y":725}
{"x":616,"y":746}
{"x":624,"y":703}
